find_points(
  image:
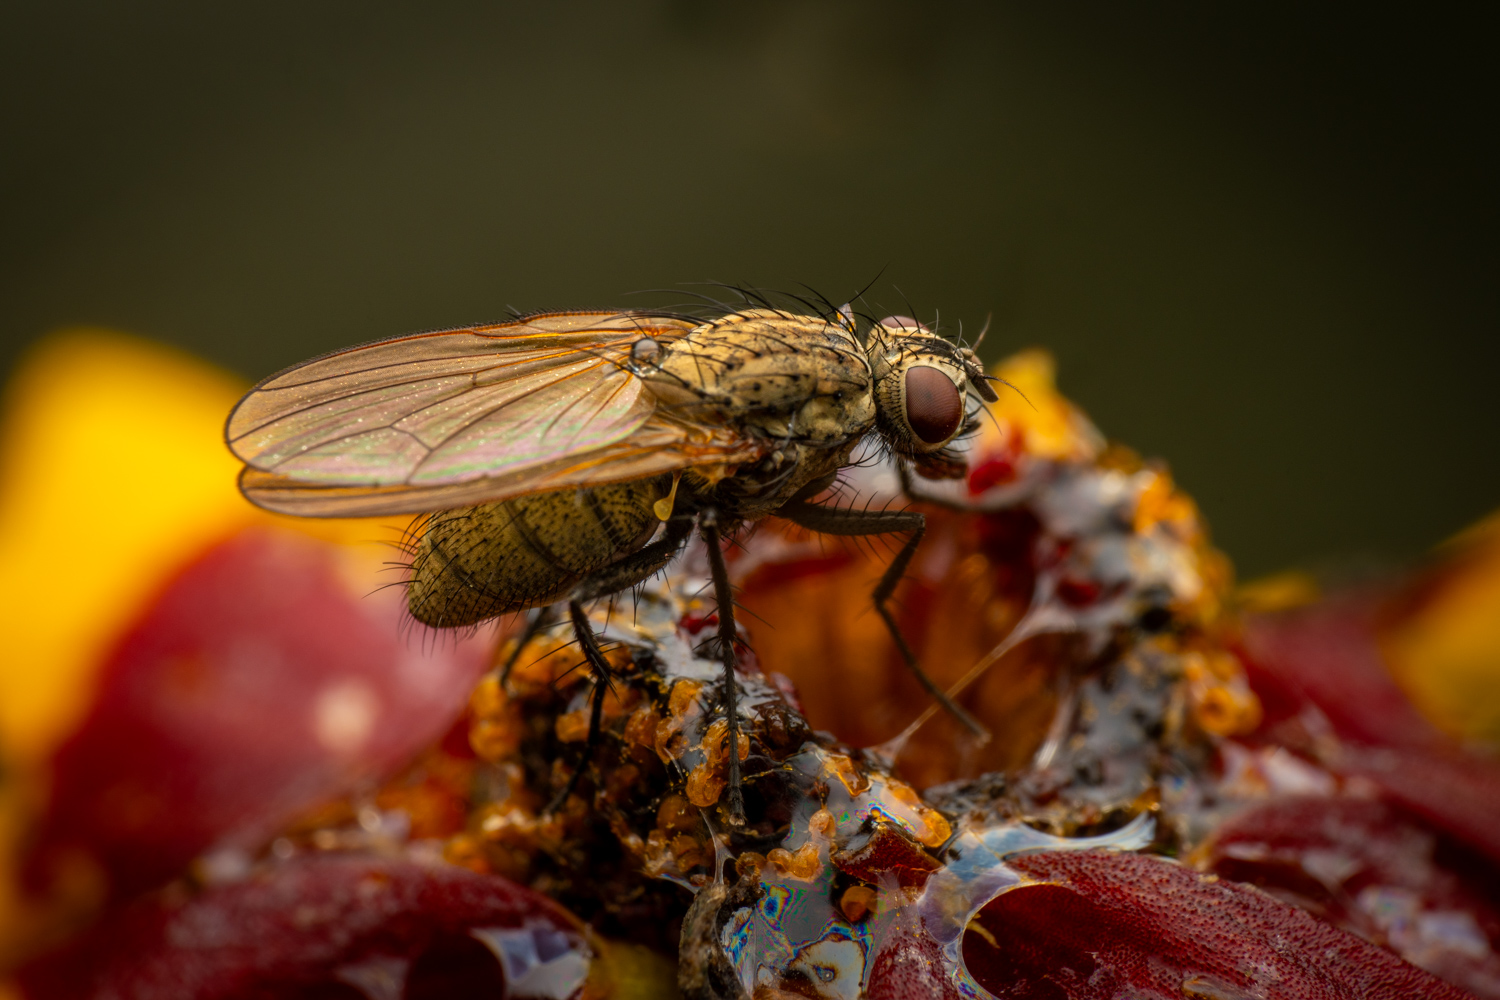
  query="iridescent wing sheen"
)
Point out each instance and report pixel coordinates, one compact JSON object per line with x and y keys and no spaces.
{"x":659,"y":446}
{"x":454,"y":417}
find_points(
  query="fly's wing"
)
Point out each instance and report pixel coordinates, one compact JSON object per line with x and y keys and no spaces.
{"x":659,"y":446}
{"x":460,"y":416}
{"x":444,"y":407}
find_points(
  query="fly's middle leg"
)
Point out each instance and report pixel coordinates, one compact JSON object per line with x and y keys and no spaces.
{"x":708,"y":527}
{"x":848,"y":522}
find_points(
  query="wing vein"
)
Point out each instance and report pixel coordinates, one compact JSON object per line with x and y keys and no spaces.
{"x":510,"y":401}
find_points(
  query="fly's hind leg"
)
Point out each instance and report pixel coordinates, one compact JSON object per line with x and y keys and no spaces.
{"x":611,"y":579}
{"x":849,"y":522}
{"x":584,"y":632}
{"x":538,"y":621}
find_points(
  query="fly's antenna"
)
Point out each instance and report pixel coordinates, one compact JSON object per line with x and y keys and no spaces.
{"x":984,"y":330}
{"x":1010,"y":385}
{"x":846,"y":313}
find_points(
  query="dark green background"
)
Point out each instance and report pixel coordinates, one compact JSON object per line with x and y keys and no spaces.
{"x":1261,"y":239}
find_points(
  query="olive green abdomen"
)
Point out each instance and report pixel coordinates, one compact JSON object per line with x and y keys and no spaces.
{"x":474,"y":563}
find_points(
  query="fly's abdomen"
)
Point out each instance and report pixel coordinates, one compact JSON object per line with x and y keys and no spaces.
{"x":474,"y":563}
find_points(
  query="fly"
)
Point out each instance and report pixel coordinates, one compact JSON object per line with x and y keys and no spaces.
{"x":563,"y":457}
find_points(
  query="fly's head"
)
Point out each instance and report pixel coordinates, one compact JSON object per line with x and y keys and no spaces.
{"x":927,"y":394}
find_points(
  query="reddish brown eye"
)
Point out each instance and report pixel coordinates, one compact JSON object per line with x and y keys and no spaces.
{"x":902,"y":323}
{"x":933,"y":405}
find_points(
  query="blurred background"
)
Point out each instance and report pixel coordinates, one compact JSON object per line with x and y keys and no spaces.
{"x":1260,"y":238}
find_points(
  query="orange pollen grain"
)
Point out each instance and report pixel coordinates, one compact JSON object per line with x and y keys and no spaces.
{"x":675,"y":813}
{"x":669,"y":742}
{"x":749,"y":864}
{"x":640,"y":728}
{"x":715,"y":738}
{"x":704,"y":786}
{"x":804,"y":863}
{"x":851,"y":777}
{"x":937,"y":828}
{"x":684,"y":697}
{"x":821,"y":823}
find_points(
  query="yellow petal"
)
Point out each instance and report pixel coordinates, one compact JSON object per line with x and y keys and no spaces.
{"x":112,"y":473}
{"x":1444,"y":646}
{"x":1052,"y":426}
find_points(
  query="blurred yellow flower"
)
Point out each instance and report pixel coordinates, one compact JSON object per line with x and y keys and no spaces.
{"x":112,"y":474}
{"x":113,"y":478}
{"x":1444,"y":646}
{"x":1053,"y":426}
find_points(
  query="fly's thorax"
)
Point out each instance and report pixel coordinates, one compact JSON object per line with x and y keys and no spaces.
{"x":474,"y":563}
{"x":789,"y":377}
{"x":923,"y":387}
{"x":760,"y":490}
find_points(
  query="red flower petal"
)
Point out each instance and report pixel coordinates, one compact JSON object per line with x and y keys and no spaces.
{"x":1102,"y":925}
{"x":322,"y":926}
{"x":259,"y":683}
{"x":1327,"y":657}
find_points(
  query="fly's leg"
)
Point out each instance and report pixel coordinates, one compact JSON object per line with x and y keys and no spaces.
{"x":613,"y":578}
{"x":848,"y":522}
{"x":708,"y":527}
{"x":584,"y":632}
{"x":910,"y":488}
{"x":538,"y":621}
{"x":637,"y":566}
{"x":882,"y":594}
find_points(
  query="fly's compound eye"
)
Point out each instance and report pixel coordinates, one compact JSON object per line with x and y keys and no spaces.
{"x":645,"y":351}
{"x":904,"y":324}
{"x":934,"y":406}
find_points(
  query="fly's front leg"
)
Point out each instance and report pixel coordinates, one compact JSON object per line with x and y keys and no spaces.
{"x":912,"y":491}
{"x":708,"y":527}
{"x":848,"y":522}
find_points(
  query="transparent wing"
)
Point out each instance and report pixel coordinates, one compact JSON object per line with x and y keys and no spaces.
{"x":437,"y":410}
{"x":659,"y":446}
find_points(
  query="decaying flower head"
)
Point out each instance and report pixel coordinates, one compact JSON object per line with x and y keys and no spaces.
{"x":1065,"y":594}
{"x":1078,"y":593}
